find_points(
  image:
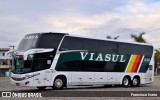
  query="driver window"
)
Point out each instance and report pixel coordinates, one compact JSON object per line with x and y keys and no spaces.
{"x":42,"y":61}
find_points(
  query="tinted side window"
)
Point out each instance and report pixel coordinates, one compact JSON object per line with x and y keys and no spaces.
{"x":91,"y":66}
{"x":107,"y":46}
{"x":76,"y":43}
{"x":49,"y":40}
{"x":42,"y":61}
{"x":146,"y":50}
{"x":126,"y":48}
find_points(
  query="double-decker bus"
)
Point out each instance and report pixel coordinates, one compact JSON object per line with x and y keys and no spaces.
{"x":59,"y":60}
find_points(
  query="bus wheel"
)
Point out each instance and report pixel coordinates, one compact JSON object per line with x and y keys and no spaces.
{"x":135,"y":82}
{"x":126,"y":81}
{"x":59,"y":83}
{"x":41,"y":88}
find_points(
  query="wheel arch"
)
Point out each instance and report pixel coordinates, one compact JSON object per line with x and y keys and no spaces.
{"x":126,"y":76}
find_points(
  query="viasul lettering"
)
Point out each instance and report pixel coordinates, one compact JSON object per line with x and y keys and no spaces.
{"x":102,"y":57}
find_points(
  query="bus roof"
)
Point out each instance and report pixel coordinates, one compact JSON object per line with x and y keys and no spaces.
{"x":48,"y":33}
{"x":92,"y":38}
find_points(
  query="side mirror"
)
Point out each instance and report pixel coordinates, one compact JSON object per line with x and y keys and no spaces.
{"x":8,"y":54}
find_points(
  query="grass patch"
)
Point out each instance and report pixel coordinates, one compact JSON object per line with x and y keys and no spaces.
{"x":156,"y":75}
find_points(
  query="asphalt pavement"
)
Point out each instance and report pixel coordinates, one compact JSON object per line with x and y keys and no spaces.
{"x":84,"y":92}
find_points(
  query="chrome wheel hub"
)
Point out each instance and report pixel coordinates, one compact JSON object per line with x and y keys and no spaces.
{"x":125,"y":81}
{"x":135,"y":81}
{"x":58,"y":83}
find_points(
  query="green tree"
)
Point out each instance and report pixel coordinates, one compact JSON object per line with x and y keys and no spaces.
{"x":157,"y":58}
{"x":138,"y":38}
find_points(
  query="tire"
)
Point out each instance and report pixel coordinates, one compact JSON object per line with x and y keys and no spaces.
{"x":126,"y":81}
{"x":59,"y":83}
{"x":41,"y":88}
{"x":135,"y":82}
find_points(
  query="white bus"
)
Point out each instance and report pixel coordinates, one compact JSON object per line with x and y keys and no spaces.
{"x":59,"y":60}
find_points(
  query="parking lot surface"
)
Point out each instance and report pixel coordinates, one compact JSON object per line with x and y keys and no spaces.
{"x":94,"y":90}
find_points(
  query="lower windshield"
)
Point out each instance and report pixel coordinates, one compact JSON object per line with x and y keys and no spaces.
{"x":20,"y":65}
{"x":34,"y":62}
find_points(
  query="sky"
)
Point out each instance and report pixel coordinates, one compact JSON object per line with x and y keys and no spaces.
{"x":86,"y":18}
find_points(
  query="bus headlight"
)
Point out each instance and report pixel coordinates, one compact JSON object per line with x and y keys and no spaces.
{"x":30,"y":76}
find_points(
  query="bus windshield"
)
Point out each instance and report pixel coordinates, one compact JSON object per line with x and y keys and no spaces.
{"x":21,"y":66}
{"x":34,"y":62}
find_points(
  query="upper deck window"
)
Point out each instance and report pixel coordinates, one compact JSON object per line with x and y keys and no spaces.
{"x":49,"y":40}
{"x":92,"y":45}
{"x":28,"y":42}
{"x":46,"y":40}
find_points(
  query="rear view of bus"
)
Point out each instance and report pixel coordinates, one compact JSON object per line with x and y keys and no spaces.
{"x":58,"y":60}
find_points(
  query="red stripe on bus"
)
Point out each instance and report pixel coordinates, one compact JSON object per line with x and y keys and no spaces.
{"x":135,"y":64}
{"x":138,"y":62}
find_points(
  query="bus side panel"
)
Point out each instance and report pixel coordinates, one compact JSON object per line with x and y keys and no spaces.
{"x":148,"y":76}
{"x":100,"y":78}
{"x":113,"y":78}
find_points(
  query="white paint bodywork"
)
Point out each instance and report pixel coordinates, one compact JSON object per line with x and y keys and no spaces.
{"x":47,"y":77}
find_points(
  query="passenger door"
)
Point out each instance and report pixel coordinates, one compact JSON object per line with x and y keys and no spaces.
{"x":48,"y":77}
{"x":42,"y":66}
{"x":48,"y":73}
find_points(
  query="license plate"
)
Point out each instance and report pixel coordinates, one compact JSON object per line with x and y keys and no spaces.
{"x":17,"y":84}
